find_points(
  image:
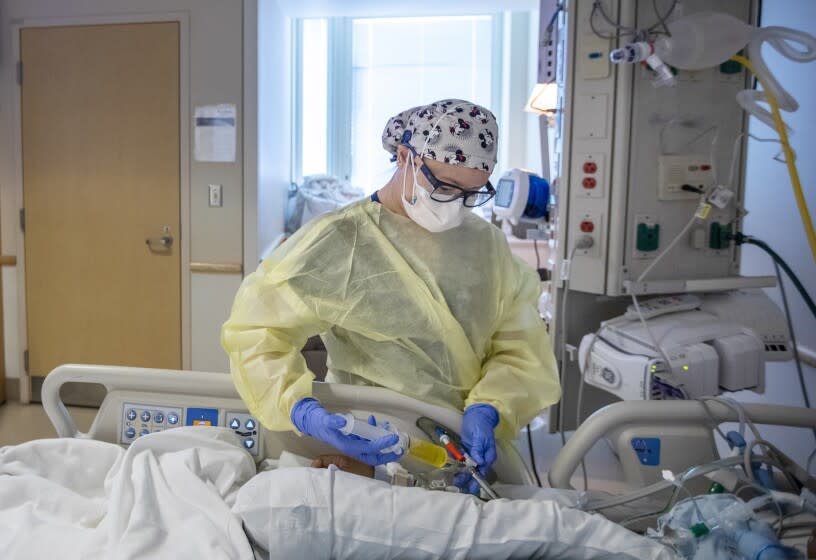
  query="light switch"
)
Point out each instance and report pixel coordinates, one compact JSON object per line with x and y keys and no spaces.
{"x":215,"y":195}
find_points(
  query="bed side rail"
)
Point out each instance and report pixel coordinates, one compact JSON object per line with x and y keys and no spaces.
{"x":191,"y":385}
{"x":654,"y":415}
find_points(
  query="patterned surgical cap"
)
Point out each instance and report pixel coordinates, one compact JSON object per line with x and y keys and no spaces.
{"x":452,"y":131}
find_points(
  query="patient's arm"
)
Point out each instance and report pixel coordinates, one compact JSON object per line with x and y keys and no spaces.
{"x":343,"y":463}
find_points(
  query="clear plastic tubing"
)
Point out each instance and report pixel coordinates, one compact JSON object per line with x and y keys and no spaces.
{"x":756,"y":546}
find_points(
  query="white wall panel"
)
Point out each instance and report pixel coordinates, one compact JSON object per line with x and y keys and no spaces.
{"x":212,"y":296}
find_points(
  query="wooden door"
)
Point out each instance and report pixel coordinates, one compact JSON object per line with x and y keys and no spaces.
{"x":2,"y":348}
{"x":100,"y":136}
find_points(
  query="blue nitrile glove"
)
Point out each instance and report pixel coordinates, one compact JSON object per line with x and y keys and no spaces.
{"x":309,"y":416}
{"x":478,"y":423}
{"x":464,"y":481}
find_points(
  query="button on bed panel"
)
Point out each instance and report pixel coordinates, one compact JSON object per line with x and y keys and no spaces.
{"x":247,"y":428}
{"x":142,"y":419}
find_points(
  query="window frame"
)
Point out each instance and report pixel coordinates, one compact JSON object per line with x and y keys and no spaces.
{"x":339,"y":101}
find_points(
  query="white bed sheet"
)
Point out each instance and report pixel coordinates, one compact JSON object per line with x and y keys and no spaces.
{"x":192,"y":493}
{"x":168,"y":496}
{"x":326,"y":513}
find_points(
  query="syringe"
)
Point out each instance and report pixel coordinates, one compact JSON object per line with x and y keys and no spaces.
{"x":446,"y":441}
{"x":416,"y":448}
{"x":364,"y":430}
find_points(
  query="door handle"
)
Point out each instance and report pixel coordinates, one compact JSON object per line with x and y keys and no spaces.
{"x":159,"y":243}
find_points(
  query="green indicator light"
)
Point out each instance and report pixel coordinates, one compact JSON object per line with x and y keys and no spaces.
{"x":685,"y":367}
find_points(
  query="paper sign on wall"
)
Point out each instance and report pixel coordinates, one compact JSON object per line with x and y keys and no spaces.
{"x":215,"y":132}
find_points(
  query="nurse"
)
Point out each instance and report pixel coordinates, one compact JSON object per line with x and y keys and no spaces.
{"x":409,"y":290}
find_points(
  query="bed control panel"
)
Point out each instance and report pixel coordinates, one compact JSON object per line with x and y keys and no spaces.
{"x":247,"y":429}
{"x":142,"y":419}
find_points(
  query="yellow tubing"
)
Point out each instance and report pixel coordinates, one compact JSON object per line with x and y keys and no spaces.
{"x":789,"y":158}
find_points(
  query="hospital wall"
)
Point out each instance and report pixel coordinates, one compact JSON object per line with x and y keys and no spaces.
{"x":274,"y":126}
{"x":774,"y":218}
{"x":223,"y":54}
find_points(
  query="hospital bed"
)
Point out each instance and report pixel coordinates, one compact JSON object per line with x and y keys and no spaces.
{"x":648,"y":436}
{"x":203,"y":472}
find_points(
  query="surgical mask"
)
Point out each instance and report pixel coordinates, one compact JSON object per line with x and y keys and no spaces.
{"x":428,"y":213}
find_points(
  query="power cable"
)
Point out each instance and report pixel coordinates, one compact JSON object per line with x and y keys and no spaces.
{"x":796,"y":357}
{"x":532,"y":455}
{"x":741,"y":238}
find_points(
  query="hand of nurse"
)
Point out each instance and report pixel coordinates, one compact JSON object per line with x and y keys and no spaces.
{"x":309,"y":416}
{"x":479,"y":439}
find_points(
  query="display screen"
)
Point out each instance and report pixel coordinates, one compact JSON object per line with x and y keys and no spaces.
{"x":504,"y":193}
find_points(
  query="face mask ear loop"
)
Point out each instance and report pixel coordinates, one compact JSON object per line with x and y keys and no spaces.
{"x":416,"y":178}
{"x":405,"y":176}
{"x":421,"y":155}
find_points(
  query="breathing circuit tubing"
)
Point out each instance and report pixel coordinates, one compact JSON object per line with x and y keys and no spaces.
{"x":781,"y":39}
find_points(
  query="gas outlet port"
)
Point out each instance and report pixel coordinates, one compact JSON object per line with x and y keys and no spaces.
{"x":646,"y":236}
{"x":718,"y":236}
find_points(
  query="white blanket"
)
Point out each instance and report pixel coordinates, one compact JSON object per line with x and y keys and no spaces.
{"x":320,"y":513}
{"x":167,"y":496}
{"x":184,"y":493}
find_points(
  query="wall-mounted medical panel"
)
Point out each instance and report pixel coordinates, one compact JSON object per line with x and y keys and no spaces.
{"x":638,"y":156}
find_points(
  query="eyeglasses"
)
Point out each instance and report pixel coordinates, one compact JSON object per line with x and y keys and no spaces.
{"x":444,"y":192}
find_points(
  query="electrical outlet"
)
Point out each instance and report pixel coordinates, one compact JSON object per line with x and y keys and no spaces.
{"x":587,"y":238}
{"x":588,"y":171}
{"x":215,"y":196}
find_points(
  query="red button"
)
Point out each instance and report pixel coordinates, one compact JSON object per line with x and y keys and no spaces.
{"x":590,"y":167}
{"x":589,"y":182}
{"x":587,"y":226}
{"x":705,"y":167}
